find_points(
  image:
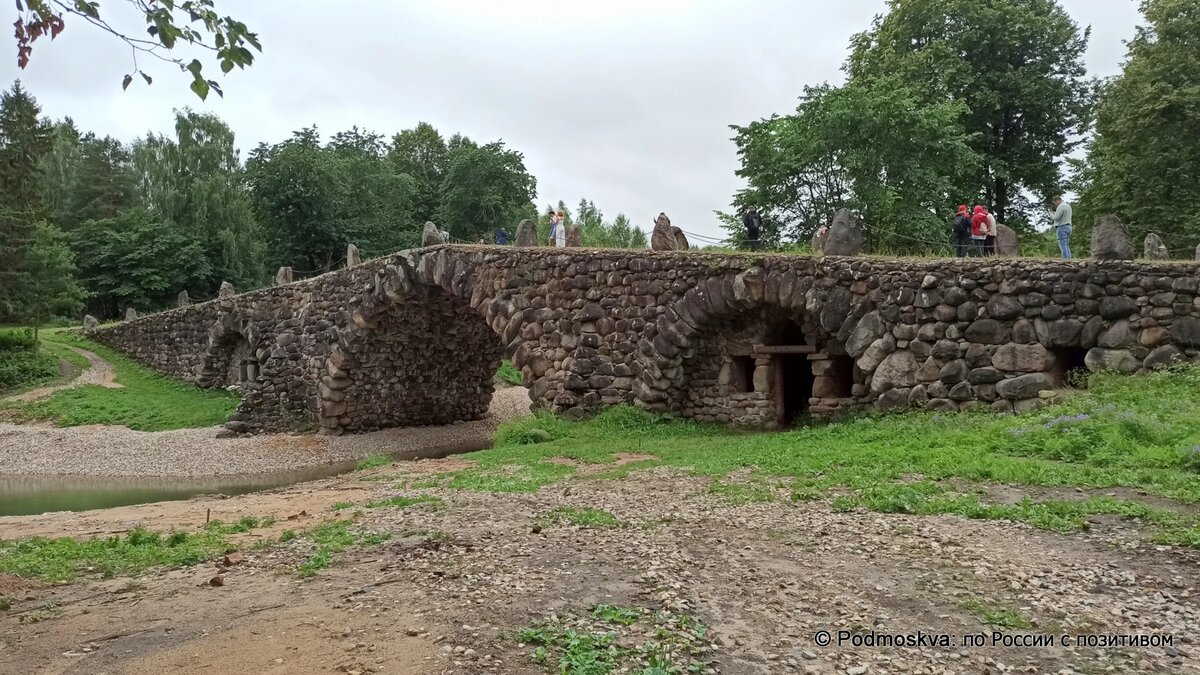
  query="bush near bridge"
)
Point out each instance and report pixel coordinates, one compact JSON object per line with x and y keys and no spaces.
{"x":1130,"y":436}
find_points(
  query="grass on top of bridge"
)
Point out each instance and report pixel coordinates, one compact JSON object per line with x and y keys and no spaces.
{"x":1126,"y":447}
{"x":147,"y":401}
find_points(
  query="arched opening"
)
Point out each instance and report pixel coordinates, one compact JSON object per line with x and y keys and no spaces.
{"x":232,"y":362}
{"x":424,"y":360}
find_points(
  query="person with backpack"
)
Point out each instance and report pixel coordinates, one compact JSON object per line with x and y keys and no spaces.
{"x":753,"y":224}
{"x":962,"y":232}
{"x":979,"y":229}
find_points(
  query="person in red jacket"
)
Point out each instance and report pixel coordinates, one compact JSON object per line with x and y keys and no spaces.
{"x":979,"y":230}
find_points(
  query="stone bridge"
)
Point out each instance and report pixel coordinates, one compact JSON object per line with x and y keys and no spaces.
{"x":415,"y":338}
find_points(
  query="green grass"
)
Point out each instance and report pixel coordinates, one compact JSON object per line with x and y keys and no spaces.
{"x":587,"y":517}
{"x":23,"y":363}
{"x":243,"y":525}
{"x":341,"y":506}
{"x":54,"y":560}
{"x":509,"y":373}
{"x":1140,"y":433}
{"x":147,"y":401}
{"x":373,"y":462}
{"x":996,"y":615}
{"x":333,"y":538}
{"x":402,"y":502}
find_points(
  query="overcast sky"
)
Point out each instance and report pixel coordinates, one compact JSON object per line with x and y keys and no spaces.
{"x":625,"y":102}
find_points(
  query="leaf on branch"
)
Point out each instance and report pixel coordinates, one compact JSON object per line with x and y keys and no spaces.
{"x":200,"y":87}
{"x":126,"y":82}
{"x":147,"y":78}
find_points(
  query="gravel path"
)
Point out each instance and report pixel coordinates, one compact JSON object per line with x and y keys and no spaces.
{"x":28,"y":450}
{"x":99,"y":372}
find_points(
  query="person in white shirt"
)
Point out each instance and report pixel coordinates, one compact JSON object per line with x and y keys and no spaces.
{"x":989,"y":246}
{"x":560,"y":231}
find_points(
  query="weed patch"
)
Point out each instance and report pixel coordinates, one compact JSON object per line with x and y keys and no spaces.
{"x":333,"y":538}
{"x":509,"y":373}
{"x":996,"y":615}
{"x":373,"y":462}
{"x":405,"y":502}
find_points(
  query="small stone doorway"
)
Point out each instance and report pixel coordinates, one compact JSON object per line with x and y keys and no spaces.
{"x":793,"y":374}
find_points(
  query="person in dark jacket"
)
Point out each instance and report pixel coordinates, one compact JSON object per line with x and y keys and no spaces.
{"x":962,"y":232}
{"x":753,"y":223}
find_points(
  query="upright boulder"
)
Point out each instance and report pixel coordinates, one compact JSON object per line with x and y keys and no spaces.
{"x":431,"y":235}
{"x":283,"y":276}
{"x":846,"y":235}
{"x":681,"y":240}
{"x":353,"y":259}
{"x":90,"y":323}
{"x":130,"y":314}
{"x":663,"y":238}
{"x":574,"y":236}
{"x":1007,"y":243}
{"x":183,"y":300}
{"x":1110,"y":240}
{"x":1197,"y":251}
{"x":526,"y":233}
{"x":227,"y":290}
{"x":1154,"y":248}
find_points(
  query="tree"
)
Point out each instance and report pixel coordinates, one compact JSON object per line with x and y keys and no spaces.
{"x":485,"y":187}
{"x":24,"y":138}
{"x":49,"y":271}
{"x":195,"y":182}
{"x":421,"y":152}
{"x":169,"y":23}
{"x":138,"y":259}
{"x":1144,"y":162}
{"x":1016,"y":64}
{"x":871,"y":147}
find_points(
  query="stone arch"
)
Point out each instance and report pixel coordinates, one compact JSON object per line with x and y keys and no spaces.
{"x":727,"y":350}
{"x":231,"y":356}
{"x":421,"y":346}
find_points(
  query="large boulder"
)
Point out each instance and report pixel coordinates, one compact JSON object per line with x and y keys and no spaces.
{"x":681,"y":240}
{"x":663,"y":238}
{"x":226,"y":290}
{"x":90,"y":323}
{"x":130,"y":314}
{"x":182,"y":300}
{"x":1017,"y":358}
{"x":574,"y":236}
{"x":283,"y":276}
{"x":898,"y":370}
{"x":1197,"y":251}
{"x":1154,"y":248}
{"x":1007,"y":243}
{"x":869,"y":329}
{"x":526,"y":233}
{"x":1110,"y":240}
{"x":432,"y":236}
{"x":846,"y":235}
{"x":1162,"y":357}
{"x":1024,"y":387}
{"x":1120,"y":360}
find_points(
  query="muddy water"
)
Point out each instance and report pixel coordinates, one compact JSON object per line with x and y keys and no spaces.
{"x":31,"y":495}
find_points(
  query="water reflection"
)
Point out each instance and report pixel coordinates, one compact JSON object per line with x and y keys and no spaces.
{"x":29,"y":495}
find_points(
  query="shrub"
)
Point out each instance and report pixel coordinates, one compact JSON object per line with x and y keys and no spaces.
{"x":17,"y":339}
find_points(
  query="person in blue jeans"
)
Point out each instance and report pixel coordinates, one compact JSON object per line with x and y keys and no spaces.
{"x":1062,"y":226}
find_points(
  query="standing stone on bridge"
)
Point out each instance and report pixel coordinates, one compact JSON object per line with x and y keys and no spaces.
{"x":845,"y":235}
{"x":431,"y":235}
{"x":183,"y":300}
{"x":681,"y":240}
{"x":1197,"y":251}
{"x":90,"y":323}
{"x":130,"y":314}
{"x":353,"y":259}
{"x":663,"y":238}
{"x":527,"y":233}
{"x":1110,"y":240}
{"x":1154,"y":248}
{"x":574,"y":236}
{"x":1007,"y":243}
{"x":227,"y":290}
{"x":283,"y":276}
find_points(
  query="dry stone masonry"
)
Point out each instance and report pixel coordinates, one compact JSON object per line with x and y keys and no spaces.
{"x":760,"y":340}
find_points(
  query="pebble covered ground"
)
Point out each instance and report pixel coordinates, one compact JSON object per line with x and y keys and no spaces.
{"x":27,"y":450}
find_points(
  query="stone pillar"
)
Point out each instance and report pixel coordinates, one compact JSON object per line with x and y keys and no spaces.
{"x":227,"y":290}
{"x":283,"y":276}
{"x":130,"y":314}
{"x":574,"y":237}
{"x":89,"y":323}
{"x":352,"y":257}
{"x":183,"y":300}
{"x":1153,"y":248}
{"x":527,"y":233}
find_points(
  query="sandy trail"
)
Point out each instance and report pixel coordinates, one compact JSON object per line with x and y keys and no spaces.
{"x":99,"y":372}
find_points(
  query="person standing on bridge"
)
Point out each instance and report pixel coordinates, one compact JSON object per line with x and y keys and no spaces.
{"x":989,"y":243}
{"x":962,"y":231}
{"x":1062,"y":226}
{"x":560,"y":232}
{"x":753,"y":224}
{"x":502,"y":237}
{"x":978,"y":231}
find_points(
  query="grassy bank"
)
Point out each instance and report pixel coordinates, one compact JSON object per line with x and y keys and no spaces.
{"x":22,"y":363}
{"x":146,"y":401}
{"x":1138,"y":433}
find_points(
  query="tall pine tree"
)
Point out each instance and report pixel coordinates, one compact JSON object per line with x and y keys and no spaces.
{"x":24,"y":139}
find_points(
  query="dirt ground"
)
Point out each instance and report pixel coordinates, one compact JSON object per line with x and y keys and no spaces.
{"x":448,"y":591}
